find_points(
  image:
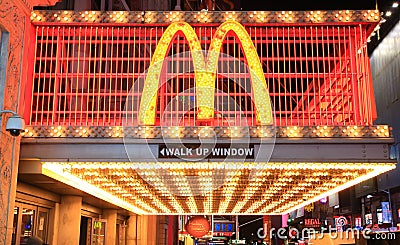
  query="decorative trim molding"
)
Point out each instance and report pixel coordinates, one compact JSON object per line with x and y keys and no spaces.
{"x":166,"y":17}
{"x":154,"y":132}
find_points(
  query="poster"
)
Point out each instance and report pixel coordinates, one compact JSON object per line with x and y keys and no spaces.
{"x":41,"y":223}
{"x":368,"y":219}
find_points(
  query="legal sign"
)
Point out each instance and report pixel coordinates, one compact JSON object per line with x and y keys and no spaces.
{"x":315,"y":223}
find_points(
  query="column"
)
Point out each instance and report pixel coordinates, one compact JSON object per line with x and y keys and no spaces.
{"x":69,"y":220}
{"x":141,"y":229}
{"x":151,"y":229}
{"x":111,"y":228}
{"x":131,"y":230}
{"x":162,"y":229}
{"x":53,"y":224}
{"x":12,"y":61}
{"x":267,"y":228}
{"x":146,"y":229}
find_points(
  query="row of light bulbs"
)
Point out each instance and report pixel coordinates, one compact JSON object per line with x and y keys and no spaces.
{"x":206,"y":131}
{"x":387,"y":14}
{"x":200,"y":16}
{"x":151,"y":201}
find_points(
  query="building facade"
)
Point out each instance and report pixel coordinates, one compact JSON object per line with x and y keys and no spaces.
{"x":133,"y":118}
{"x":385,"y":73}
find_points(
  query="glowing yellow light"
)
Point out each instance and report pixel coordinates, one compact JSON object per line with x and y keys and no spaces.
{"x":54,"y":171}
{"x":205,"y":72}
{"x":300,"y":181}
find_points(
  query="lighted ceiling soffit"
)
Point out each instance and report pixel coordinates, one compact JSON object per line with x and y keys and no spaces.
{"x":212,"y":187}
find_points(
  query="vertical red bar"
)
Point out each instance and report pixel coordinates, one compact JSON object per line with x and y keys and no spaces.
{"x":134,"y":91}
{"x":318,"y":76}
{"x":42,"y":83}
{"x":335,"y":109}
{"x":341,"y":65}
{"x":100,"y":78}
{"x":308,"y":84}
{"x":369,"y":94}
{"x":57,"y":80}
{"x":300,"y":103}
{"x":295,"y":78}
{"x":94,"y":34}
{"x":111,"y":74}
{"x":277,"y":59}
{"x":346,"y":87}
{"x":68,"y":78}
{"x":84,"y":79}
{"x":267,"y":228}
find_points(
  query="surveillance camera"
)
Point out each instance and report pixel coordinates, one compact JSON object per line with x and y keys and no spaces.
{"x":15,"y":125}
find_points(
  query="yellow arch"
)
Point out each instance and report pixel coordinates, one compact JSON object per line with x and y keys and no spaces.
{"x":205,"y":72}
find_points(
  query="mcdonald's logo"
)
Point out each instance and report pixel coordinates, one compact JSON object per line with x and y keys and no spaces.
{"x":205,"y":72}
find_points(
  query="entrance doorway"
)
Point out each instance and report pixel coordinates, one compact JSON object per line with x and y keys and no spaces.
{"x":29,"y":220}
{"x":92,"y":231}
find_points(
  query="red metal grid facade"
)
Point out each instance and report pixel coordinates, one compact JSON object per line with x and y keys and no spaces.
{"x":93,"y":75}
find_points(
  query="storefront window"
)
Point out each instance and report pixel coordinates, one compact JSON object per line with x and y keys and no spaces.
{"x":15,"y":225}
{"x":99,"y":232}
{"x":379,"y":215}
{"x":26,"y":227}
{"x":368,"y":219}
{"x":42,"y":225}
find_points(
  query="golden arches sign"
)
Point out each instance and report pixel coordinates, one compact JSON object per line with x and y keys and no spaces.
{"x":205,"y":72}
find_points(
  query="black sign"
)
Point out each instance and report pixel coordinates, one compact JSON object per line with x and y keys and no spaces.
{"x":197,"y":152}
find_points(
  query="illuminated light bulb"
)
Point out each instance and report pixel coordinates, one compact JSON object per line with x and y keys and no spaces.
{"x":395,"y":5}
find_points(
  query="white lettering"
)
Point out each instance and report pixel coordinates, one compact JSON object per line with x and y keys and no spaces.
{"x":227,"y":152}
{"x":177,"y":152}
{"x":249,"y":151}
{"x":216,"y":151}
{"x":169,"y":151}
{"x":206,"y":151}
